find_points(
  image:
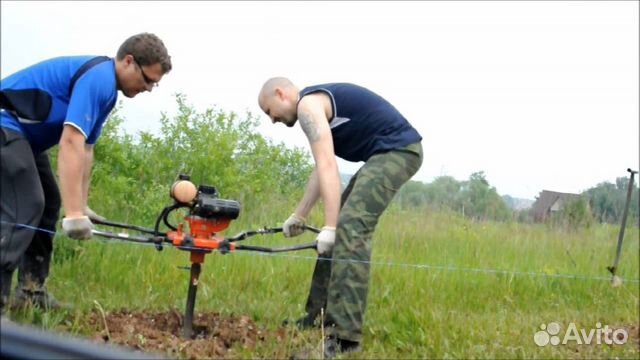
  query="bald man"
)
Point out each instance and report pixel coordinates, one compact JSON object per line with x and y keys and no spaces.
{"x":349,"y":121}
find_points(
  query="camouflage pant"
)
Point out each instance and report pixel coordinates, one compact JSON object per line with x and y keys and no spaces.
{"x":341,"y":286}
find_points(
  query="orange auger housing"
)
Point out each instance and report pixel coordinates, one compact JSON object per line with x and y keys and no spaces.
{"x":202,"y":236}
{"x":207,"y":216}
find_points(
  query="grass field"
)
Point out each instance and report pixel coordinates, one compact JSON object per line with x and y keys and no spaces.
{"x":441,"y":287}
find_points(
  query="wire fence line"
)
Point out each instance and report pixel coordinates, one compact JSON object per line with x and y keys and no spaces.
{"x":390,"y":264}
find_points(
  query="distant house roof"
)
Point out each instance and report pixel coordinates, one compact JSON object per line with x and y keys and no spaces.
{"x":550,"y":201}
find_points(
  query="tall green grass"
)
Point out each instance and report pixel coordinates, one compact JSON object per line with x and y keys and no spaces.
{"x":442,"y":286}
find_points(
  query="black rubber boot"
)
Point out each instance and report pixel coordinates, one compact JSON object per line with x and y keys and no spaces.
{"x":334,"y":346}
{"x":306,"y":322}
{"x":31,"y":289}
{"x":38,"y":297}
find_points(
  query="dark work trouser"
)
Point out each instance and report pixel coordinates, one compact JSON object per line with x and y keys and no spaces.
{"x":341,"y":285}
{"x":29,"y":196}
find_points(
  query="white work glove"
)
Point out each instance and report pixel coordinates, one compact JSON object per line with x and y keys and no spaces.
{"x":325,"y":240}
{"x":294,"y":226}
{"x":92,"y":215}
{"x":77,"y":228}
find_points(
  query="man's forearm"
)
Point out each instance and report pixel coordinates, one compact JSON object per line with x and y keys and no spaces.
{"x":86,"y":178}
{"x":329,"y":184}
{"x":71,"y":164}
{"x":311,"y":195}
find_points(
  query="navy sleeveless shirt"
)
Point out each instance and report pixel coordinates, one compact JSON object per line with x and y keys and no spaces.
{"x":363,"y":123}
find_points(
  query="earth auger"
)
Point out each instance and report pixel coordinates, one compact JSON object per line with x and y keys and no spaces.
{"x":207,"y":216}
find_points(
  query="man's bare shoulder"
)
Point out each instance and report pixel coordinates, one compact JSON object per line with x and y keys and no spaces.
{"x":316,"y":102}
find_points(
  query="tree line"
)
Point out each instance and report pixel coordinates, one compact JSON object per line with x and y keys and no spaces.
{"x":476,"y":198}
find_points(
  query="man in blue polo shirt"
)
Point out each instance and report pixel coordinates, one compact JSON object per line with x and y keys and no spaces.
{"x":62,"y":101}
{"x":354,"y":123}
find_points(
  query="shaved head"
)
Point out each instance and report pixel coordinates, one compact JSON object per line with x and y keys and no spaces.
{"x":278,"y":98}
{"x":270,"y":86}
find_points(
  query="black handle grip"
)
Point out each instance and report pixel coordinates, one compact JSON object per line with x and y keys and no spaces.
{"x":126,"y":226}
{"x":277,"y":250}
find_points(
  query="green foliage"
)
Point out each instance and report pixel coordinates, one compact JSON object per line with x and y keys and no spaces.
{"x":474,"y":198}
{"x":412,"y":194}
{"x":132,"y":176}
{"x":576,"y":214}
{"x":608,"y":200}
{"x":482,"y":201}
{"x":444,"y":192}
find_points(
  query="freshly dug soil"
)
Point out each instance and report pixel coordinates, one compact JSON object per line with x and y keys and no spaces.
{"x":214,"y":335}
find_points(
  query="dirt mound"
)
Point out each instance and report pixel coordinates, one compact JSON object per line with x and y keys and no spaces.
{"x":213,"y":337}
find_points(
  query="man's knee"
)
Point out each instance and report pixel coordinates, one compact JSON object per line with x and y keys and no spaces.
{"x":360,"y":215}
{"x":26,"y":208}
{"x":352,"y":224}
{"x":353,"y":236}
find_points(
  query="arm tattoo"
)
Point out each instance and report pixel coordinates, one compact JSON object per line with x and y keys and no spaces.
{"x":309,"y":126}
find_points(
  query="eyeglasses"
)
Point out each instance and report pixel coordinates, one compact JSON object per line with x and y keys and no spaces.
{"x":146,"y":79}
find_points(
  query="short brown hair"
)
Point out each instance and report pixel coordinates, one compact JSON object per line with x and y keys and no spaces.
{"x":147,"y":49}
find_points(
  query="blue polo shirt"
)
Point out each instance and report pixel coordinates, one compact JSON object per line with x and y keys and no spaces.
{"x":94,"y":96}
{"x":363,"y":123}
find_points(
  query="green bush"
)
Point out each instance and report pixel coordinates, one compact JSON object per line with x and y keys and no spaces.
{"x":576,"y":214}
{"x":131,"y":176}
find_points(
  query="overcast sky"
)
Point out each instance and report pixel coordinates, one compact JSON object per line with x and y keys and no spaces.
{"x":537,"y":94}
